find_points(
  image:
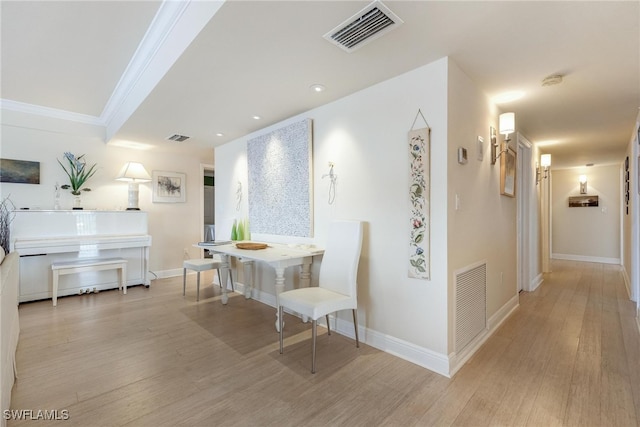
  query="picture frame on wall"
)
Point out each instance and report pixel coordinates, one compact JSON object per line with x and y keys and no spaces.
{"x":280,"y":196}
{"x":508,"y":173}
{"x":583,"y":201}
{"x":19,"y":171}
{"x":169,"y":187}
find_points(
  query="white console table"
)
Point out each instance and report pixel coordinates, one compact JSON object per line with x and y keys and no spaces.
{"x":44,"y":237}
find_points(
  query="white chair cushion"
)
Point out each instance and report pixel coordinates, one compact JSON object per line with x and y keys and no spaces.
{"x":316,"y":302}
{"x":201,"y":264}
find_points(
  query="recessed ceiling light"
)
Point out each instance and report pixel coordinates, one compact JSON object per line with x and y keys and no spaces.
{"x":219,"y":134}
{"x":256,"y":117}
{"x":508,"y":96}
{"x":317,"y":88}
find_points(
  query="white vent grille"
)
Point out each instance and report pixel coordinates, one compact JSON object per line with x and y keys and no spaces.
{"x":471,"y":304}
{"x":177,"y":137}
{"x":370,"y":23}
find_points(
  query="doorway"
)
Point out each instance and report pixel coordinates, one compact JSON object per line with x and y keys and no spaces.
{"x":207,"y":202}
{"x":524,"y":191}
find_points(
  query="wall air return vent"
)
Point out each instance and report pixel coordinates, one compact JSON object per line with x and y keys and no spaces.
{"x":177,"y":137}
{"x":367,"y":25}
{"x":470,"y":292}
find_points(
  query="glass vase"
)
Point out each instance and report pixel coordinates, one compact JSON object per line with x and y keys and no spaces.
{"x":234,"y":231}
{"x":77,"y":203}
{"x":240,"y":230}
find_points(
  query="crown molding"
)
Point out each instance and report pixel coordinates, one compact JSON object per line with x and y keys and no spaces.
{"x":53,"y":113}
{"x":174,"y":27}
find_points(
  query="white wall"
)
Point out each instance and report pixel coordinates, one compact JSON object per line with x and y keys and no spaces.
{"x":484,"y":227}
{"x":587,"y":233}
{"x":365,"y":135}
{"x":173,"y":227}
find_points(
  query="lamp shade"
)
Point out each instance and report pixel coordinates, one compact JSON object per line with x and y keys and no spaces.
{"x":583,"y":179}
{"x":545,"y":160}
{"x":507,"y":123}
{"x":133,"y":171}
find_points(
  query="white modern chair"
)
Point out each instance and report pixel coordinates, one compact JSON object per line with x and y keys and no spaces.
{"x":337,"y":288}
{"x":199,"y":265}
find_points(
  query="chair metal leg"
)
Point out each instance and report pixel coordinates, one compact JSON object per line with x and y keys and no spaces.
{"x":355,"y":325}
{"x":219,"y":277}
{"x":314,"y":328}
{"x":281,"y":326}
{"x":184,"y":280}
{"x":328,"y":327}
{"x":198,"y":288}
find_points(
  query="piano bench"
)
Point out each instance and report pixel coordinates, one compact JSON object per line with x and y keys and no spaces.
{"x":78,"y":266}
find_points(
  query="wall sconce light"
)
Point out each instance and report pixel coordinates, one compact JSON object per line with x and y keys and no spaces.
{"x":583,"y":184}
{"x":507,"y":122}
{"x":545,"y":162}
{"x":133,"y":173}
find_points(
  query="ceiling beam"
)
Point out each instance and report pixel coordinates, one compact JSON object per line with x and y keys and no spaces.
{"x":172,"y":30}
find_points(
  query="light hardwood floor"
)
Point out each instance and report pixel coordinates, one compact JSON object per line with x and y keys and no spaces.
{"x":570,"y":355}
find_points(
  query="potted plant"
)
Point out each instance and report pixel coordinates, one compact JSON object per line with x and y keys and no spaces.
{"x":78,"y":174}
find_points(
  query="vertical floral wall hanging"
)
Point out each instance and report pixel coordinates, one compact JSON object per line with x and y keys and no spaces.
{"x":419,"y":196}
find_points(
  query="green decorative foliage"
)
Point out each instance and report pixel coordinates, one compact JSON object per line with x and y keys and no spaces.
{"x":77,"y":172}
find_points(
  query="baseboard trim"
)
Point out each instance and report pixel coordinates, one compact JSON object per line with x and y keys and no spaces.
{"x":536,"y":282}
{"x":583,"y":258}
{"x":431,"y":360}
{"x":503,"y":313}
{"x":163,"y":274}
{"x":627,"y":281}
{"x":457,"y":361}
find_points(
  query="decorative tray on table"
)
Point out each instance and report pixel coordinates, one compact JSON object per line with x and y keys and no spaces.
{"x":251,"y":245}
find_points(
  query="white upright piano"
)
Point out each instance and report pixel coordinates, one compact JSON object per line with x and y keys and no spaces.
{"x":42,"y":237}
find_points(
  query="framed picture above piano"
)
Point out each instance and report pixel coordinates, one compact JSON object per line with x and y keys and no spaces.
{"x":19,"y":171}
{"x":169,"y":187}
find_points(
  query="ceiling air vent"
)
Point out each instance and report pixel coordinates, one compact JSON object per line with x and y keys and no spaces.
{"x":367,"y":25}
{"x":177,"y":138}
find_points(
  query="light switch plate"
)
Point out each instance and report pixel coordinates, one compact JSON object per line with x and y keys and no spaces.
{"x":480,"y":148}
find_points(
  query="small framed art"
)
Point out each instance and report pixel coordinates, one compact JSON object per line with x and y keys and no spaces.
{"x":169,"y":187}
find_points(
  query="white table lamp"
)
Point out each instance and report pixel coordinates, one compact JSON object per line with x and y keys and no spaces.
{"x":133,"y":173}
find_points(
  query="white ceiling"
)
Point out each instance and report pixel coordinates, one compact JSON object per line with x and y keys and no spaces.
{"x":260,"y":57}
